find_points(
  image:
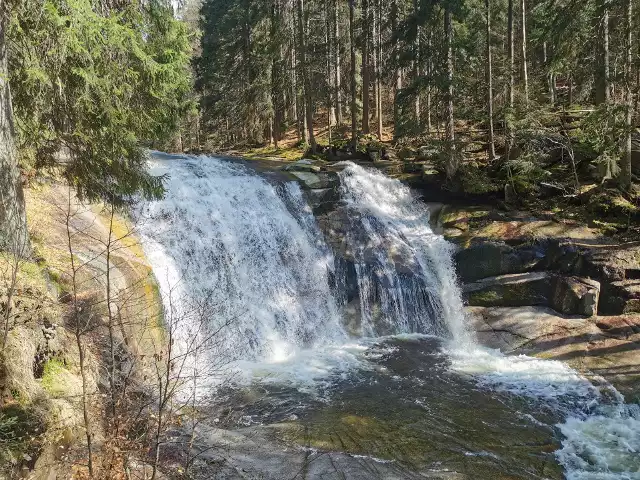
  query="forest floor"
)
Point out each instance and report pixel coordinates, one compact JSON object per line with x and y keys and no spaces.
{"x":595,"y":206}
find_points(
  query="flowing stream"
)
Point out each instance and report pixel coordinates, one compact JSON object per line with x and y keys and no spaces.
{"x":239,"y":256}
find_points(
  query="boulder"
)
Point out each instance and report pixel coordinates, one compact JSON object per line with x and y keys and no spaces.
{"x":575,"y":296}
{"x":621,"y":297}
{"x":512,"y":290}
{"x":513,"y":328}
{"x":323,"y":200}
{"x":569,"y":295}
{"x":490,"y":259}
{"x":606,"y":346}
{"x":303,"y":165}
{"x":389,"y":167}
{"x":314,"y":181}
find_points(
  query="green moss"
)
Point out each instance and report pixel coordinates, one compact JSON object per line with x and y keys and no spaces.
{"x":53,"y":377}
{"x":488,"y":297}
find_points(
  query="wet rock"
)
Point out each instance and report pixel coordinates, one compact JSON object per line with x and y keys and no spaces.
{"x":314,"y":181}
{"x":323,"y":200}
{"x":512,"y":328}
{"x":569,"y":295}
{"x":303,"y":165}
{"x":606,"y":346}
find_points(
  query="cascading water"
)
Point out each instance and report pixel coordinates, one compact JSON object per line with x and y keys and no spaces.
{"x":253,"y":249}
{"x":400,"y":263}
{"x":224,"y":234}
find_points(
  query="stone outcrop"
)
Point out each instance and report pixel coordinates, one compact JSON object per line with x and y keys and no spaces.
{"x":489,"y":259}
{"x":569,"y":295}
{"x":604,"y":346}
{"x":320,"y":184}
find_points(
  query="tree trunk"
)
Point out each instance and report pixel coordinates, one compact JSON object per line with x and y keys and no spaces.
{"x":452,"y":164}
{"x":416,"y":69}
{"x":331,"y":114}
{"x":625,"y":162}
{"x":379,"y":70}
{"x":354,"y":85}
{"x":398,"y":70}
{"x":13,"y":223}
{"x":602,"y":76}
{"x":525,"y":74}
{"x":304,"y":70}
{"x":511,"y":55}
{"x":337,"y":72}
{"x":366,"y":28}
{"x":429,"y":75}
{"x":489,"y":72}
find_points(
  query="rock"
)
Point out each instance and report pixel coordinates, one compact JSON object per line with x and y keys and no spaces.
{"x":412,"y":167}
{"x":574,"y":295}
{"x":512,"y":328}
{"x":316,"y":181}
{"x":512,"y":290}
{"x":490,"y":259}
{"x":621,"y":297}
{"x":427,"y":153}
{"x":303,"y":165}
{"x":389,"y":167}
{"x":510,"y":195}
{"x":405,"y":152}
{"x":323,"y":200}
{"x":607,"y":346}
{"x":569,"y":295}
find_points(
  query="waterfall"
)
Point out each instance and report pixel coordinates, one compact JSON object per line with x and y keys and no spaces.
{"x":401,"y":265}
{"x":279,"y":288}
{"x":250,"y":247}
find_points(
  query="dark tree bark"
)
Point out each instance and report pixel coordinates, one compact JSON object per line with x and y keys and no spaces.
{"x":525,"y":72}
{"x":429,"y":75}
{"x":366,"y":81}
{"x":511,"y":54}
{"x":354,"y":84}
{"x":625,"y":163}
{"x":337,"y":72}
{"x":398,"y":71}
{"x":416,"y":68}
{"x":489,"y":73}
{"x":304,"y":69}
{"x":452,"y":164}
{"x":13,"y":224}
{"x":379,"y":68}
{"x":603,"y":88}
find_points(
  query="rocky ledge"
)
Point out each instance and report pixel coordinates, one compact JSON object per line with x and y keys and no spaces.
{"x":555,"y":289}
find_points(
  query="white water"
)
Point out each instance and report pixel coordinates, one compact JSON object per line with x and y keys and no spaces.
{"x":225,"y":234}
{"x":253,"y":249}
{"x":396,"y":228}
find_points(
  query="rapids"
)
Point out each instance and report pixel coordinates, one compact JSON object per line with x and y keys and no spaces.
{"x":418,"y":398}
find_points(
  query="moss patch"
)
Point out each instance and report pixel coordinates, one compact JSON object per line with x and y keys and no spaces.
{"x":56,"y":377}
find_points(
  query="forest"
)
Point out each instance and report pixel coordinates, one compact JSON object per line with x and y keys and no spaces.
{"x":268,"y":191}
{"x":499,"y":92}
